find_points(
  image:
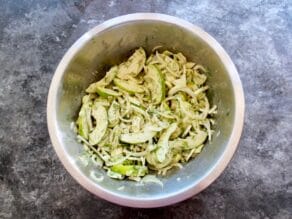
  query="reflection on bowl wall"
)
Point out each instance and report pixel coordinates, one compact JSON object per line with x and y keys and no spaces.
{"x":111,"y":43}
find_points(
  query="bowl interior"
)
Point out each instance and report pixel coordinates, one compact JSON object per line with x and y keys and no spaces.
{"x":112,"y":46}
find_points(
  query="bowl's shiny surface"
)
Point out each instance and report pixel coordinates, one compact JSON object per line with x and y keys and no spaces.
{"x":109,"y":44}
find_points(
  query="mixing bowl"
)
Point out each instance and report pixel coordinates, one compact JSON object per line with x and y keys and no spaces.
{"x":109,"y":44}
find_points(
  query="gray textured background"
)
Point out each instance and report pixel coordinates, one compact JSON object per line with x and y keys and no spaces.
{"x":35,"y":34}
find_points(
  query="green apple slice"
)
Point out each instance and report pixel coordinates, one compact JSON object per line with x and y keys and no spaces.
{"x":163,"y":145}
{"x":129,"y":86}
{"x":138,"y":137}
{"x":105,"y":92}
{"x":100,"y":115}
{"x":156,"y":83}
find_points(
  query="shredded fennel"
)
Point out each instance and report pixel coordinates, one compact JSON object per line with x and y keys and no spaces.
{"x":147,"y":116}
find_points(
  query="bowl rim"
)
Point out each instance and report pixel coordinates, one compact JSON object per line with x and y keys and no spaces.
{"x":175,"y":197}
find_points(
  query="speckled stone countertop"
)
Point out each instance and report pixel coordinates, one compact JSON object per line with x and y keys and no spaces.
{"x":35,"y":34}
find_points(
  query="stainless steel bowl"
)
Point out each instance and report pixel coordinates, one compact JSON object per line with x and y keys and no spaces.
{"x":108,"y":44}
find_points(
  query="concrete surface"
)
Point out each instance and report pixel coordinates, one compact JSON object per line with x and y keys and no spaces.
{"x":35,"y":34}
